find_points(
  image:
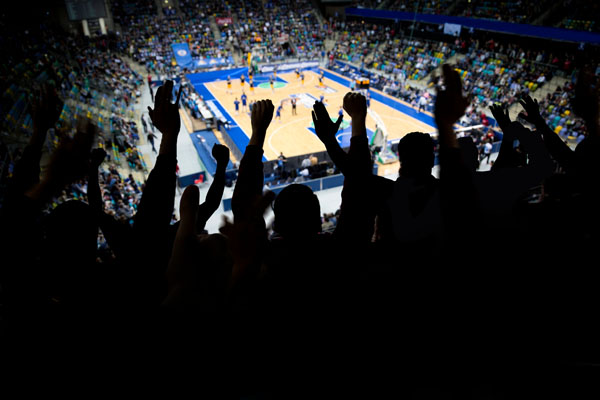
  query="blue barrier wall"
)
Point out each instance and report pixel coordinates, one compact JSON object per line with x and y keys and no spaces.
{"x":545,"y":32}
{"x":190,"y":179}
{"x":204,"y":142}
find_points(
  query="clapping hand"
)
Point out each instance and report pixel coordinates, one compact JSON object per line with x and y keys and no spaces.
{"x":71,"y":158}
{"x":501,"y":116}
{"x":532,"y":110}
{"x":450,"y":104}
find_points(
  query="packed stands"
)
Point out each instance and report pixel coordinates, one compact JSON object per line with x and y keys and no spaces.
{"x":581,"y":15}
{"x":463,"y":284}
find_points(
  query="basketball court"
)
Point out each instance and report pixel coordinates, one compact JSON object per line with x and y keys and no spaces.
{"x":294,"y":135}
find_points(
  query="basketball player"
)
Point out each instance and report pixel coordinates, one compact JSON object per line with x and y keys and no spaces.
{"x":229,"y":84}
{"x":244,"y":99}
{"x":294,"y":106}
{"x":242,"y":79}
{"x":302,"y":77}
{"x":272,"y":83}
{"x":237,"y":106}
{"x":251,"y":83}
{"x":278,"y":112}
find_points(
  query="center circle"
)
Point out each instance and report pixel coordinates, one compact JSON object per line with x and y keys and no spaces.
{"x":267,"y":85}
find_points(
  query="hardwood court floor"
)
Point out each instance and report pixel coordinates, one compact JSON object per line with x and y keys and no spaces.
{"x":290,"y":134}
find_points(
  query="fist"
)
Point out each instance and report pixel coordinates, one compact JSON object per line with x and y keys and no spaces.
{"x":220,"y":153}
{"x":355,"y":105}
{"x":97,"y":157}
{"x":262,"y":114}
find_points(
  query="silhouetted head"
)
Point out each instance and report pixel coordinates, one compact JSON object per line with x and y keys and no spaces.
{"x":297,"y":212}
{"x":416,"y":153}
{"x":469,"y":152}
{"x":586,"y":154}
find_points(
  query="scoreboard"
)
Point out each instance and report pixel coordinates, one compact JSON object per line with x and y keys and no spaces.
{"x":85,"y":9}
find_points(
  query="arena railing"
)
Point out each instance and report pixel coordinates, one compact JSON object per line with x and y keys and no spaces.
{"x":326,"y":182}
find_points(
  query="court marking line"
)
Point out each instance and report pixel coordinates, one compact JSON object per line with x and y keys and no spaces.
{"x":385,"y":95}
{"x":289,"y":84}
{"x":312,"y":78}
{"x":275,"y":132}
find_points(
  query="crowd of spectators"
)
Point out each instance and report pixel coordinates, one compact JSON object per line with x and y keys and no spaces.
{"x":418,"y":247}
{"x":580,"y":15}
{"x":278,"y":30}
{"x":123,"y":10}
{"x":414,"y":59}
{"x":493,"y":79}
{"x":148,"y":39}
{"x":285,"y":171}
{"x":412,"y":240}
{"x":572,"y":14}
{"x":356,"y":39}
{"x":557,"y":109}
{"x":425,"y":7}
{"x":517,"y":11}
{"x":88,"y":79}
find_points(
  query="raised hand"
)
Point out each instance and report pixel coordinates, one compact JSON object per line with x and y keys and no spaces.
{"x":69,"y":162}
{"x":46,"y":108}
{"x":261,"y":117}
{"x":71,"y":158}
{"x":355,"y":105}
{"x":324,"y":126}
{"x":165,"y":115}
{"x":450,"y":104}
{"x":501,"y":116}
{"x":97,"y":157}
{"x":220,"y":154}
{"x":532,"y":110}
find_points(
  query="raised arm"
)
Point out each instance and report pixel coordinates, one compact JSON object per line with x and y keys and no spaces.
{"x":326,"y":130}
{"x":557,"y":148}
{"x":69,"y":162}
{"x":363,"y":192}
{"x":359,"y":155}
{"x":153,"y":218}
{"x":156,"y":206}
{"x":45,"y":109}
{"x":199,"y":268}
{"x":505,"y":155}
{"x":459,"y":200}
{"x":215,"y":193}
{"x":250,"y":176}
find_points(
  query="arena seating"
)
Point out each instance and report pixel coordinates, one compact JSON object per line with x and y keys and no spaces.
{"x":458,"y":282}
